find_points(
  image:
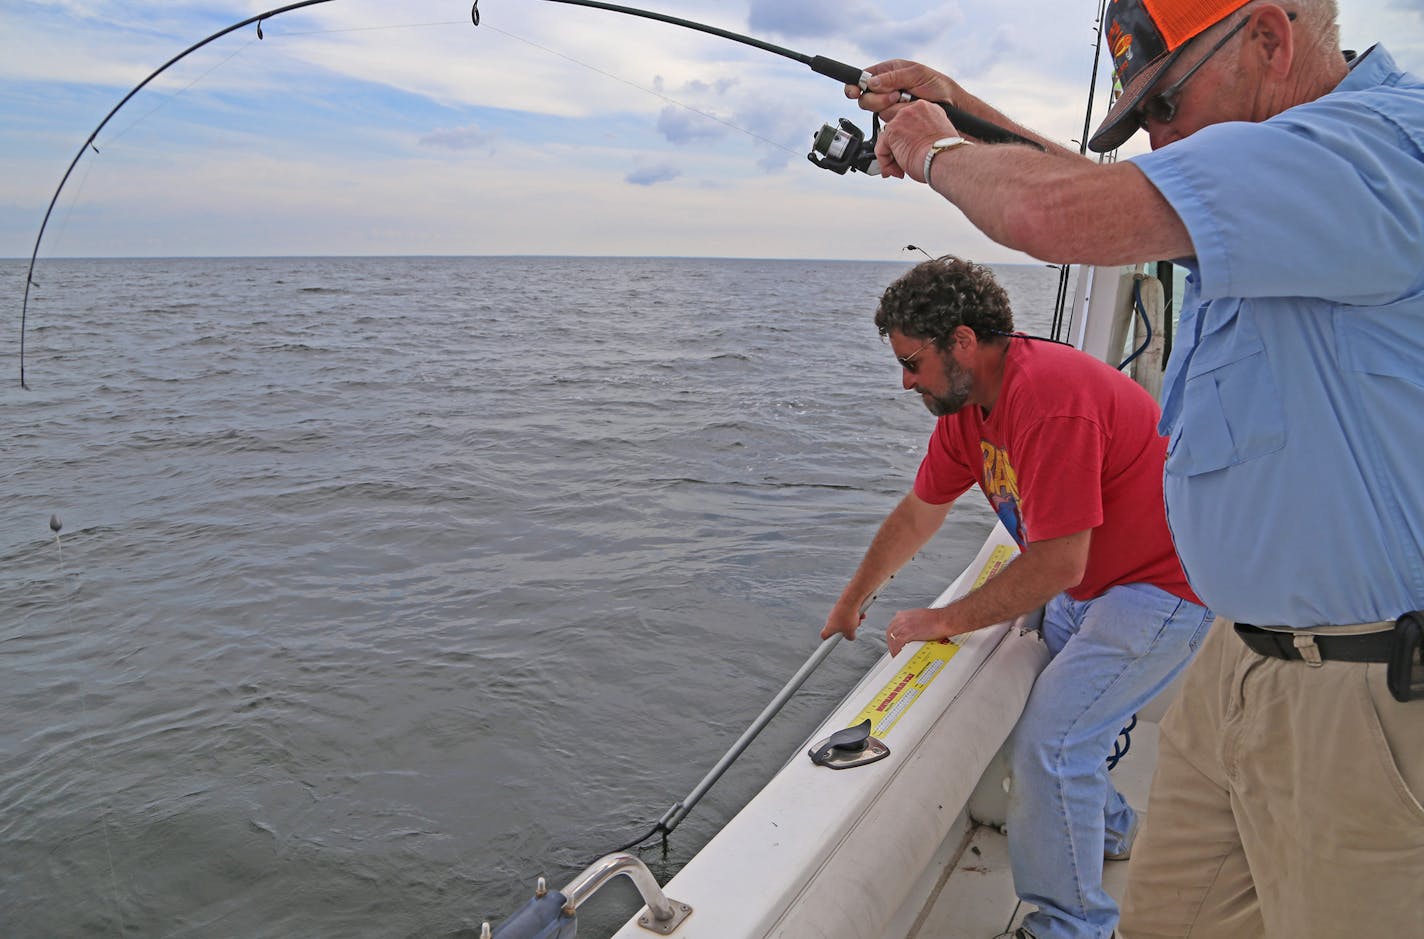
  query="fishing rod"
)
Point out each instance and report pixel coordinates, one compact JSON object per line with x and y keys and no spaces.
{"x":986,"y":131}
{"x":837,"y":149}
{"x":89,"y":142}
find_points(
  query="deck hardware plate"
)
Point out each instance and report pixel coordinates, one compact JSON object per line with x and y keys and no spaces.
{"x":680,"y":912}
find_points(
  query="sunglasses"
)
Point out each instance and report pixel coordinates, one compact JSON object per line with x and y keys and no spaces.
{"x":908,"y":363}
{"x":1161,"y":108}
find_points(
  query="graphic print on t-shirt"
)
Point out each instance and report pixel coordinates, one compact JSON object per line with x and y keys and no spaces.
{"x":1001,"y":485}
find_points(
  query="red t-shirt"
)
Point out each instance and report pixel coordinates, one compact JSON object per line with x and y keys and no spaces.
{"x":1071,"y":444}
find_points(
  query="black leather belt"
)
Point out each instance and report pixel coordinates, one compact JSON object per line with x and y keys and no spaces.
{"x":1365,"y":647}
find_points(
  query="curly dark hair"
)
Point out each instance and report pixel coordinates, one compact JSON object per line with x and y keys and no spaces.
{"x":935,"y":297}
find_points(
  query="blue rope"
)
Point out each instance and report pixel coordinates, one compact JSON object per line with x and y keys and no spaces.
{"x":1120,"y":752}
{"x":1147,"y":324}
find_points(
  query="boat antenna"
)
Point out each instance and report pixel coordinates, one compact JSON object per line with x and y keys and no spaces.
{"x":1093,"y":82}
{"x":1061,"y":303}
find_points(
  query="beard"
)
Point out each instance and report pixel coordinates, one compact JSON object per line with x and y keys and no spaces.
{"x":961,"y":384}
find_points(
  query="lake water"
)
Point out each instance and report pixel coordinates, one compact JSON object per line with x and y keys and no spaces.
{"x":386,"y":586}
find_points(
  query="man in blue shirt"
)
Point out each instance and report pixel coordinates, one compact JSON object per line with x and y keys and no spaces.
{"x":1291,"y":186}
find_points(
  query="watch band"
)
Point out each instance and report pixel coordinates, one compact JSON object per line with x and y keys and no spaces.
{"x":939,"y":146}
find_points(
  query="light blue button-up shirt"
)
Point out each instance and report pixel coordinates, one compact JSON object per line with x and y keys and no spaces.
{"x":1294,"y":398}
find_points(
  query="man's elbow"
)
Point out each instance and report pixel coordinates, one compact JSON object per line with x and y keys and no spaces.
{"x":1072,"y":574}
{"x":1064,"y":563}
{"x":1063,"y":572}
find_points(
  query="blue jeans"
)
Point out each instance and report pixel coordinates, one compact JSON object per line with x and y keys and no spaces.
{"x":1110,"y":656}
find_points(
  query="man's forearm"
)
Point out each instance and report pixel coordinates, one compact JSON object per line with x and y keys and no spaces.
{"x":904,"y":532}
{"x":1058,"y":207}
{"x":1045,"y":569}
{"x":1023,"y":586}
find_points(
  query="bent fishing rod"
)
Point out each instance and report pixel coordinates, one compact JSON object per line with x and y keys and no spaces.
{"x":835,"y":149}
{"x":89,"y":142}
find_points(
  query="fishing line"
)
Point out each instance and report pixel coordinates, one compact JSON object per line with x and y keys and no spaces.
{"x":89,"y":142}
{"x":89,"y":167}
{"x":168,"y":99}
{"x":651,"y":91}
{"x":55,"y":525}
{"x":847,"y":74}
{"x":554,"y":52}
{"x":986,"y":131}
{"x":69,"y":208}
{"x":368,"y":29}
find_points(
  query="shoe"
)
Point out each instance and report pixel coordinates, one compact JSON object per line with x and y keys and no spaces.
{"x":1019,"y":933}
{"x":1125,"y":852}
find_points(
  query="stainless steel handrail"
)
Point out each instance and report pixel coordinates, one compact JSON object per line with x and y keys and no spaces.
{"x":605,"y":869}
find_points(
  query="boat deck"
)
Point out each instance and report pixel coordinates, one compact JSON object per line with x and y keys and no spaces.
{"x":976,"y":899}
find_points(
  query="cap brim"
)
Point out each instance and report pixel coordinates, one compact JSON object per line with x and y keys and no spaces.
{"x":1120,"y":124}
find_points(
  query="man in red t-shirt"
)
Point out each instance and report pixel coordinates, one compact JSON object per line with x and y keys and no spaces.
{"x":1066,"y":450}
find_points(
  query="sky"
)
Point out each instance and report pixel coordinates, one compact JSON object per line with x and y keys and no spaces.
{"x":371,"y":127}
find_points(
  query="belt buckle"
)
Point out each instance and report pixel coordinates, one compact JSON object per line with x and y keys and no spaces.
{"x":1309,"y":651}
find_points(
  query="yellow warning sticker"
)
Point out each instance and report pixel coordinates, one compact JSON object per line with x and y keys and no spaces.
{"x":891,"y":702}
{"x":998,"y":559}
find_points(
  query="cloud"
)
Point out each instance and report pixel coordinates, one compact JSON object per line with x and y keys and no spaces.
{"x":696,"y":86}
{"x":376,"y":110}
{"x":470,"y":137}
{"x":723,"y":85}
{"x":652,"y":175}
{"x":858,"y":21}
{"x":977,"y":59}
{"x":776,"y":127}
{"x":806,"y":19}
{"x":682,"y":126}
{"x":783,"y":133}
{"x":687,"y":122}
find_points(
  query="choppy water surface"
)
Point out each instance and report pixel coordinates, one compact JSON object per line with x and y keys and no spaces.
{"x":387,"y":585}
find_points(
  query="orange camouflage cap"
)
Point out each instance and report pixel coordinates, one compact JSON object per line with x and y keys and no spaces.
{"x":1145,"y":38}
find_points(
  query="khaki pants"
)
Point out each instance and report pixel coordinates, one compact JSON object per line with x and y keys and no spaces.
{"x":1286,"y":803}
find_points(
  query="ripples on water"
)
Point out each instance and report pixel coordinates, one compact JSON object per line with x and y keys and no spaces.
{"x":387,"y":585}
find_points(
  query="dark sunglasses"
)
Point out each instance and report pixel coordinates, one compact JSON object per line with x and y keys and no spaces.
{"x":1161,"y":108}
{"x":908,"y":363}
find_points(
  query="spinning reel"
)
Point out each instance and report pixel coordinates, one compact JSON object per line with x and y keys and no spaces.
{"x":845,"y":147}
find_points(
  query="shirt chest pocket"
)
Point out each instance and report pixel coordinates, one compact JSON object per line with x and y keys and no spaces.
{"x":1231,"y":408}
{"x":1384,"y":343}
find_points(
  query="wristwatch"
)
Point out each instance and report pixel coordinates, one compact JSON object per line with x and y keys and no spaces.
{"x":939,"y":146}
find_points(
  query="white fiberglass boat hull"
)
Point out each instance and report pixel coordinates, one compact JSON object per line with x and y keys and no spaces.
{"x":854,"y":853}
